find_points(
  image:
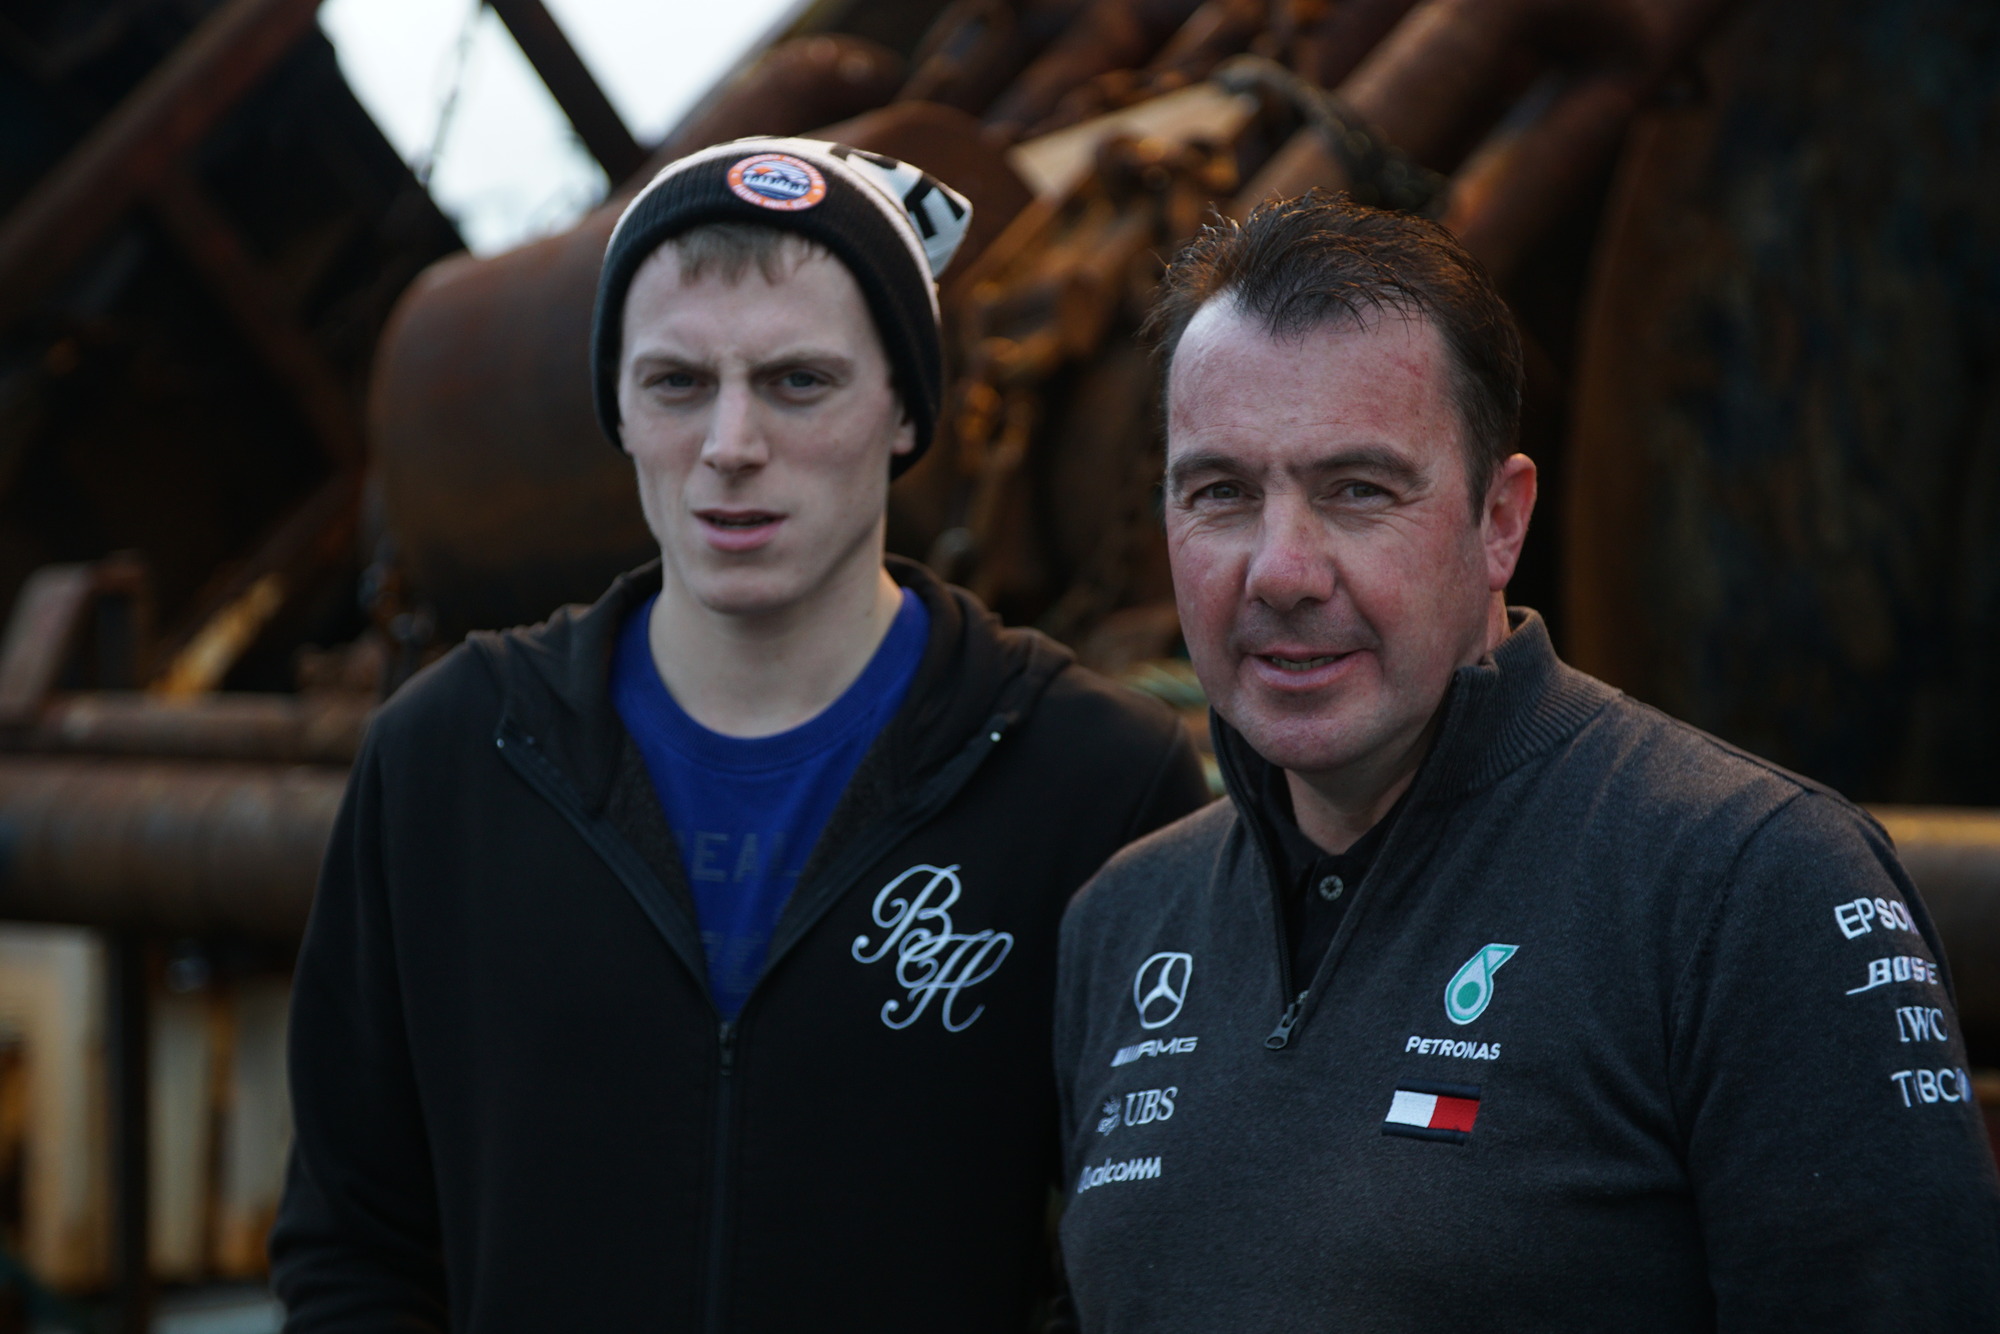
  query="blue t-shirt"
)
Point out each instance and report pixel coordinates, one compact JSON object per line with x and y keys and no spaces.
{"x":747,"y":811}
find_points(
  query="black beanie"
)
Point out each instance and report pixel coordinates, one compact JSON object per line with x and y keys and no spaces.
{"x":893,"y":226}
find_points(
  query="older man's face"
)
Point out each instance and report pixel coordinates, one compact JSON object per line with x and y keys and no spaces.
{"x":1329,"y":566}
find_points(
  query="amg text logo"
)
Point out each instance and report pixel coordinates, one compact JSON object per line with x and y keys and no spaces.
{"x":1152,"y":1047}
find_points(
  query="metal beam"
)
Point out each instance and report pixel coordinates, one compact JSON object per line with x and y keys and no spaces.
{"x":206,"y":237}
{"x":590,"y":112}
{"x":238,"y":603}
{"x":130,"y":150}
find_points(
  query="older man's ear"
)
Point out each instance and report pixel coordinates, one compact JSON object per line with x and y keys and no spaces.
{"x":1510,"y":504}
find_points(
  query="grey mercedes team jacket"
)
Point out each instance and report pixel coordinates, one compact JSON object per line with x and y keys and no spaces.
{"x":1625,"y":1030}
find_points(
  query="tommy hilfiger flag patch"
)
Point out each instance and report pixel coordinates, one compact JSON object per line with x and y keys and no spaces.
{"x":1433,"y":1111}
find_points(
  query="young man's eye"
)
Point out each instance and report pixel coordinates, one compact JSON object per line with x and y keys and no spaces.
{"x":801,"y":380}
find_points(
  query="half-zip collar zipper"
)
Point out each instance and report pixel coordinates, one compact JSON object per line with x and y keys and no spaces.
{"x":1301,"y":994}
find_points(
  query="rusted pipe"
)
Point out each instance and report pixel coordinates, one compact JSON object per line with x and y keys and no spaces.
{"x":1109,"y":35}
{"x":1437,"y":67}
{"x":127,"y":153}
{"x":184,"y":849}
{"x":1218,"y":29}
{"x":977,"y":47}
{"x":1330,"y":40}
{"x":1522,"y":179}
{"x":1527,"y":174}
{"x":285,"y":729}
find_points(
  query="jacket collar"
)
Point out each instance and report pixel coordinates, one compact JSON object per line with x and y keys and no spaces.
{"x":555,"y":679}
{"x":1516,"y":703}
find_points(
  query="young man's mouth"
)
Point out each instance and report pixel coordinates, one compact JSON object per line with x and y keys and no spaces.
{"x":738,"y":530}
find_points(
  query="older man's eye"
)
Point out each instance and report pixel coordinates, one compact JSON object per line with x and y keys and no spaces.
{"x":1220,"y":491}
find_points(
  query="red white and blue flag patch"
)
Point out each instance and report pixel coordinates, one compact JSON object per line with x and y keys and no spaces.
{"x":1433,"y":1111}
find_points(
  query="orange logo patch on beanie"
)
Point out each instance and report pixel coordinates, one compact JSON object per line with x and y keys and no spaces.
{"x":777,"y":180}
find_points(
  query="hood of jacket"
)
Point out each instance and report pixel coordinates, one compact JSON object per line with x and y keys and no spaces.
{"x":555,"y":680}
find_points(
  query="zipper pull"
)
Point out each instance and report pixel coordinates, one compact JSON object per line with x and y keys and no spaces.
{"x":1281,"y":1036}
{"x":727,"y":1032}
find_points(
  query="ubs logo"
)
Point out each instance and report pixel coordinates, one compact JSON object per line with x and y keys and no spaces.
{"x":1160,"y":988}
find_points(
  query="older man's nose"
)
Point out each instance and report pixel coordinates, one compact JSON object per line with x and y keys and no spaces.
{"x":1291,"y":564}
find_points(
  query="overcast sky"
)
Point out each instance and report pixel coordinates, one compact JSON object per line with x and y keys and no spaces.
{"x":507,"y":166}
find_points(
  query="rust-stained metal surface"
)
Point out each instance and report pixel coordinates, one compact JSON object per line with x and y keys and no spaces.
{"x":180,"y":849}
{"x":1038,"y":492}
{"x":1785,"y":488}
{"x":1758,"y":378}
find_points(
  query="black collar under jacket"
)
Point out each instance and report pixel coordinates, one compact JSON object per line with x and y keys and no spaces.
{"x":1514,"y":704}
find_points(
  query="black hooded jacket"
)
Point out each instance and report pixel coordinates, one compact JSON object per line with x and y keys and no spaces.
{"x":516,"y":1107}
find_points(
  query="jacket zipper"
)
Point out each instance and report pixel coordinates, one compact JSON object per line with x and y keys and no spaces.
{"x":718,"y":1204}
{"x":557,"y":791}
{"x":1281,"y":1036}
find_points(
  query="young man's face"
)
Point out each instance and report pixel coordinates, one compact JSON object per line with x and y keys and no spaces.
{"x":761,"y":421}
{"x":1327,"y":562}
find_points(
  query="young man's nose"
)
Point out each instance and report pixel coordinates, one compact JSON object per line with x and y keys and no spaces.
{"x":1291,"y":562}
{"x":735,"y":438}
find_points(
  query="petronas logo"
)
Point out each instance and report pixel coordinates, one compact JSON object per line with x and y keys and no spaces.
{"x":1471,"y":987}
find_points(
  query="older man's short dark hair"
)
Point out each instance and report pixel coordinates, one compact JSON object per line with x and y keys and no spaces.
{"x":1300,"y":264}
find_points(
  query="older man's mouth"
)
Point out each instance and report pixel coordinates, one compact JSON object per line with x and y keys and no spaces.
{"x":1296,"y":664}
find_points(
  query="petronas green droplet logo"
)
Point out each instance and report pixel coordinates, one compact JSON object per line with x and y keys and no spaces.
{"x":1471,"y":987}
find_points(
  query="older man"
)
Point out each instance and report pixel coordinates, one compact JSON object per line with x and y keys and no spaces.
{"x":1491,"y":998}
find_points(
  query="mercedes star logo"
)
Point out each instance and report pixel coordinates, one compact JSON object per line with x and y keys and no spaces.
{"x":1160,"y":988}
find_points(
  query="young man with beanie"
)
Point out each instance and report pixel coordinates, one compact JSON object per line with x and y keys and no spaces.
{"x":1491,"y":998}
{"x":686,"y":962}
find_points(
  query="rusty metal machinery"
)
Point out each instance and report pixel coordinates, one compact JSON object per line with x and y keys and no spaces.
{"x":1094,"y":136}
{"x":1752,"y":245}
{"x":484,"y":360}
{"x":1786,"y":475}
{"x":170,"y":849}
